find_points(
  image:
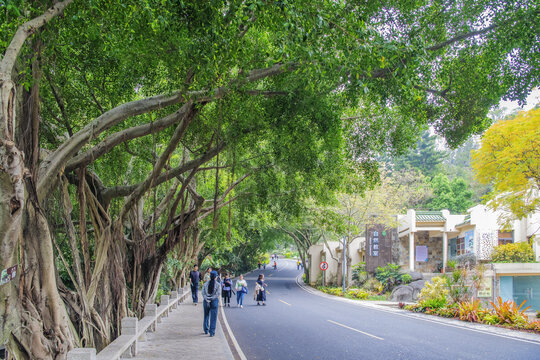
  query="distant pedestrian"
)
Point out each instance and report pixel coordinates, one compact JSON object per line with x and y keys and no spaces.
{"x":207,"y":275}
{"x":260,"y":290}
{"x":275,"y":265}
{"x":297,"y":264}
{"x":226,"y":290}
{"x":264,"y":265}
{"x":210,"y":293}
{"x":259,"y":265}
{"x":194,"y":280}
{"x":241,"y":290}
{"x":277,"y":257}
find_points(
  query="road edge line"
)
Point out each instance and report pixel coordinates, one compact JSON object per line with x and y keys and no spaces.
{"x":233,"y":338}
{"x":467,"y":326}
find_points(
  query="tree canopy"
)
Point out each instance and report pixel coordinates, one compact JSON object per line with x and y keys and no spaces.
{"x":509,"y":160}
{"x":133,"y":132}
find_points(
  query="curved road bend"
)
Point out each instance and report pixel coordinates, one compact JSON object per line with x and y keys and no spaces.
{"x":298,"y":325}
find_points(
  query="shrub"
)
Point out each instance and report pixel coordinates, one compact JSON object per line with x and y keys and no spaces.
{"x":538,"y":314}
{"x":508,"y":313}
{"x":513,"y":253}
{"x":469,"y":310}
{"x":406,"y":278}
{"x":491,"y":319}
{"x":389,"y":275}
{"x":358,"y":294}
{"x":448,"y":311}
{"x":374,"y":285}
{"x":331,"y":290}
{"x":359,"y":273}
{"x":434,"y":293}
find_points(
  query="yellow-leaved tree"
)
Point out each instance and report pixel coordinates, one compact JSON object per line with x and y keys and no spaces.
{"x":509,"y":160}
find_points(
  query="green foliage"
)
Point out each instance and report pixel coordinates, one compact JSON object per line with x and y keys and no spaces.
{"x":357,"y":294}
{"x":337,"y":291}
{"x":434,"y":293}
{"x":406,"y":278}
{"x":359,"y":273}
{"x":373,"y":285}
{"x":520,"y":252}
{"x":453,"y":195}
{"x":389,"y":275}
{"x":424,"y":157}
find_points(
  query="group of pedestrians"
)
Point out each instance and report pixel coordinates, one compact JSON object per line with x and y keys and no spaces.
{"x":212,"y":288}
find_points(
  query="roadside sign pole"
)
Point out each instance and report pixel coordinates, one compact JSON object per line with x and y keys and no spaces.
{"x":344,"y":265}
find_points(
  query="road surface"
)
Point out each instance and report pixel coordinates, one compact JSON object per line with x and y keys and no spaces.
{"x":296,"y":324}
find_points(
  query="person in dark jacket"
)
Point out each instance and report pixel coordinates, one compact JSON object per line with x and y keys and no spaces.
{"x":260,"y":290}
{"x":226,"y":291}
{"x":210,"y":291}
{"x":194,"y":280}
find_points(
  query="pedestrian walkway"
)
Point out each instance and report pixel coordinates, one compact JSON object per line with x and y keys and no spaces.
{"x":181,"y":336}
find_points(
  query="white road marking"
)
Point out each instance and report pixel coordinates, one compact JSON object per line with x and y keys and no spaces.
{"x":233,"y":338}
{"x":286,"y":303}
{"x":353,"y":329}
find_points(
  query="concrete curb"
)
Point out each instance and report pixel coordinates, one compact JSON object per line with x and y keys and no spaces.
{"x":486,"y":329}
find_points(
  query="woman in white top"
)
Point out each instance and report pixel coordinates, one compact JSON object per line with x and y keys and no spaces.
{"x":241,"y":290}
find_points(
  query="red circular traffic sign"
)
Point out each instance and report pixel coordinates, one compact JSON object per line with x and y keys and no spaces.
{"x":323,"y":266}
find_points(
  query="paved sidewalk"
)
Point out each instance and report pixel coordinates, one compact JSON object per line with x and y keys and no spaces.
{"x":181,"y":336}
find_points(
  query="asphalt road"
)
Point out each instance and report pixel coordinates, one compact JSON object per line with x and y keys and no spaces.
{"x":296,"y":324}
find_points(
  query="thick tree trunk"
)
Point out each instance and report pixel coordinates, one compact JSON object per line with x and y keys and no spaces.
{"x":47,"y":331}
{"x":11,"y":211}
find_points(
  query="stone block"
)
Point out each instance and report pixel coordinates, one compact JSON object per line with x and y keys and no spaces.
{"x":129,"y":326}
{"x":174,"y":299}
{"x":82,"y":354}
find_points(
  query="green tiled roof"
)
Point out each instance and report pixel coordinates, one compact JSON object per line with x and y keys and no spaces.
{"x":466,"y":221}
{"x":429,"y":216}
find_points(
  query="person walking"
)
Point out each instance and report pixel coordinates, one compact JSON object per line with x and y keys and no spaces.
{"x":260,"y":290}
{"x":194,"y":280}
{"x":207,"y":275}
{"x":241,"y":290}
{"x":297,"y":264}
{"x":210,"y":294}
{"x":275,"y":265}
{"x":264,"y":265}
{"x":259,"y":265}
{"x":226,"y":291}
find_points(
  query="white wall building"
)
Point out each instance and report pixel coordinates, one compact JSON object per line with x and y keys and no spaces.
{"x":333,"y":255}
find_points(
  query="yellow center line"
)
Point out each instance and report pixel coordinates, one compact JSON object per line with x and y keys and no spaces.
{"x":286,"y":303}
{"x":353,"y":329}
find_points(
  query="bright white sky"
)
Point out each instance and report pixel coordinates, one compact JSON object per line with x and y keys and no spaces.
{"x":532,"y":100}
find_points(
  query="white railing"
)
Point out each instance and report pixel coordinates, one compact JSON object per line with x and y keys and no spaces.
{"x":133,"y":330}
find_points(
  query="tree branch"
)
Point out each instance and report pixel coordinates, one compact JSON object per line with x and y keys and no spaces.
{"x":7,"y":87}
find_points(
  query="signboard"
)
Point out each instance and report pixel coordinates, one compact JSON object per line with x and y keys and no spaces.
{"x":421,"y":253}
{"x":8,"y":275}
{"x":323,"y":266}
{"x":485,"y":289}
{"x":469,"y":242}
{"x":378,"y":249}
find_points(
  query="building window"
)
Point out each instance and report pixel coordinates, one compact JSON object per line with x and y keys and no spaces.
{"x":460,"y":246}
{"x":506,"y":237}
